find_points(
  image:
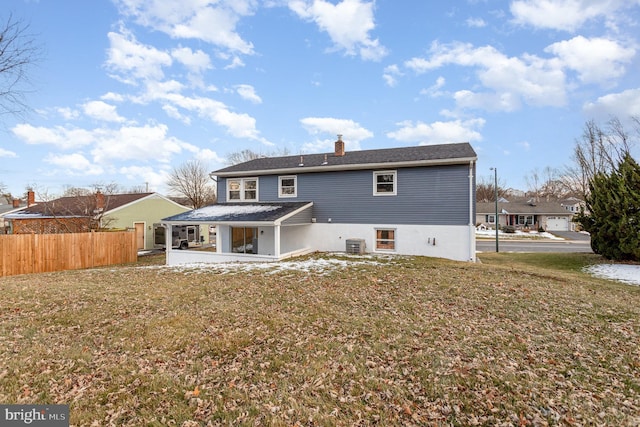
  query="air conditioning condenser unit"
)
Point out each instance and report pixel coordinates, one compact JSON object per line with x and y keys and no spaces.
{"x":355,"y":246}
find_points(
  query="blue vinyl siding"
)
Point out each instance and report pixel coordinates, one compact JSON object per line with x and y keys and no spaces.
{"x":434,"y":195}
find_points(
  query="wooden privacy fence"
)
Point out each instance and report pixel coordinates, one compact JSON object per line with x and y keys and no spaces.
{"x":39,"y":253}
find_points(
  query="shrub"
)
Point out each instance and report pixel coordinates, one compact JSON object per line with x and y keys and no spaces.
{"x":509,"y":229}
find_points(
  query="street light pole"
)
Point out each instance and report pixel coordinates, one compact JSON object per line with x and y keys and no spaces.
{"x":495,"y":186}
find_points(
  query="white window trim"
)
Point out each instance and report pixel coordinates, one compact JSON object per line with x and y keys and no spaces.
{"x":395,"y":182}
{"x":491,"y":218}
{"x":375,"y":240}
{"x":295,"y":186}
{"x":242,"y":189}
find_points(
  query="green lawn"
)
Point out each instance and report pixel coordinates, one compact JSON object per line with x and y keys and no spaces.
{"x":514,"y":340}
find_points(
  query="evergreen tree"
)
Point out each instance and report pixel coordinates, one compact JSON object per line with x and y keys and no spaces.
{"x":614,"y":217}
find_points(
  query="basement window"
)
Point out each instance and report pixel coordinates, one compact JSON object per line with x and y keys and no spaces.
{"x":385,"y":239}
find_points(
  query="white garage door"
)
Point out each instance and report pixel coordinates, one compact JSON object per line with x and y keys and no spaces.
{"x":557,"y":223}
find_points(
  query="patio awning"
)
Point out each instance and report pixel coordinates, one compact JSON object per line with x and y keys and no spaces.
{"x":267,"y":213}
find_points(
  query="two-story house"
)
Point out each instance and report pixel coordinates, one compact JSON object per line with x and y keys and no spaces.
{"x":410,"y":201}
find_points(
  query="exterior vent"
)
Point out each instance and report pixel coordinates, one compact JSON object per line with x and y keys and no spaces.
{"x":355,"y":246}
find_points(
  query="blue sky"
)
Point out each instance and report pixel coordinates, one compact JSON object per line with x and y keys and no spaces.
{"x":129,"y":89}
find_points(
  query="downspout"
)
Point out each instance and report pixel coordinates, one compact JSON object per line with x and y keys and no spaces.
{"x":168,"y":243}
{"x":472,"y":233}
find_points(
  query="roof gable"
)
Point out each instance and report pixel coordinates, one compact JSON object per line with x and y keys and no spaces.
{"x":240,"y":212}
{"x":388,"y":157}
{"x":77,"y":206}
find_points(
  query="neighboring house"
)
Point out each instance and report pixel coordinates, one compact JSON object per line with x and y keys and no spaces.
{"x":550,"y":216}
{"x":6,"y":208}
{"x":15,"y":206}
{"x":574,"y":205}
{"x":135,"y":211}
{"x":411,"y":201}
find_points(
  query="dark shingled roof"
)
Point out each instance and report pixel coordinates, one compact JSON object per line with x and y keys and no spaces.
{"x":522,"y":208}
{"x":239,"y":212}
{"x":353,"y":159}
{"x":76,"y":206}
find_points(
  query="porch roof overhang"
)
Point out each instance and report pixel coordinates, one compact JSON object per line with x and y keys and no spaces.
{"x":246,"y":214}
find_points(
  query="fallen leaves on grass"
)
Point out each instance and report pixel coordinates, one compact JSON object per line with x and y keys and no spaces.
{"x":370,"y":341}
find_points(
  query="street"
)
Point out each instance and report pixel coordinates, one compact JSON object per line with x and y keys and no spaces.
{"x":533,"y":246}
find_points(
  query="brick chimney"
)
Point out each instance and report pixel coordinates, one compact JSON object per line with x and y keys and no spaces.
{"x":16,"y":203}
{"x":339,"y":152}
{"x":31,"y":198}
{"x":99,"y":200}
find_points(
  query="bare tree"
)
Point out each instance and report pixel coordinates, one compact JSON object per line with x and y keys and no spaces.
{"x":533,"y":183}
{"x":242,"y":156}
{"x":486,"y":190}
{"x":92,"y":204}
{"x":247,"y":155}
{"x":546,"y":184}
{"x":5,"y":193}
{"x":18,"y":51}
{"x":599,"y":150}
{"x":191,"y":180}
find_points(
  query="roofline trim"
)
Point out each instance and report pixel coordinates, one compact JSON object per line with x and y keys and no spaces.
{"x":358,"y":166}
{"x":280,"y":220}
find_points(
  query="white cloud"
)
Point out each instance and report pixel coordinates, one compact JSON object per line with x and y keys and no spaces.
{"x":621,"y":105}
{"x":112,"y":96}
{"x":438,"y":132}
{"x":567,"y":15}
{"x":595,"y":60}
{"x":130,"y":61}
{"x":239,"y":125}
{"x":525,"y":145}
{"x":174,"y":113}
{"x":209,"y":156}
{"x":347,"y":23}
{"x":391,"y":74}
{"x":100,"y":110}
{"x":248,"y":92}
{"x":59,"y":136}
{"x":209,"y":21}
{"x":74,"y":164}
{"x":236,"y":62}
{"x":352,"y":133}
{"x":7,"y":153}
{"x":476,"y":23}
{"x":139,"y":143}
{"x":434,"y":90}
{"x":154,"y":176}
{"x":510,"y":80}
{"x":196,"y":62}
{"x":68,"y":113}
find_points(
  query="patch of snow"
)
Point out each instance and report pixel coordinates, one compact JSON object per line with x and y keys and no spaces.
{"x":517,"y":234}
{"x":318,"y":265}
{"x":629,"y":274}
{"x":222,"y":210}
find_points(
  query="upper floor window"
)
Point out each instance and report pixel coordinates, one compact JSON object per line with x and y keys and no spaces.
{"x":242,"y":189}
{"x":384,"y":183}
{"x":287,"y":186}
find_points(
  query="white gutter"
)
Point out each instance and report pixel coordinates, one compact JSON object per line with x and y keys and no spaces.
{"x":359,"y":166}
{"x":472,"y":202}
